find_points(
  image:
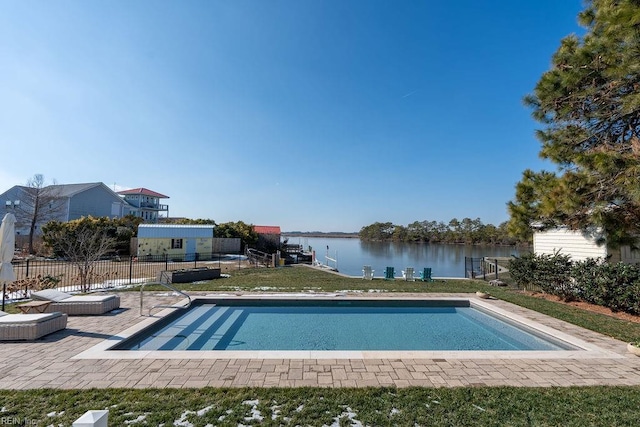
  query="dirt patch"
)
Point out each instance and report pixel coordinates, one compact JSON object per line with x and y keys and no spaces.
{"x":586,"y":306}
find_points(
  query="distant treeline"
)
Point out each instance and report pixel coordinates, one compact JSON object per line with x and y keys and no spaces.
{"x":467,"y":231}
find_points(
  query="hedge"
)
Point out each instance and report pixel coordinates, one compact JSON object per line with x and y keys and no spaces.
{"x":616,"y":286}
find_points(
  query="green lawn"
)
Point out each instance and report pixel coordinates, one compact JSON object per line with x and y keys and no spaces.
{"x":491,"y":406}
{"x":304,"y":279}
{"x":487,"y":406}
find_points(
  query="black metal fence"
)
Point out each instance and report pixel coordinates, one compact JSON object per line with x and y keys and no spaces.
{"x":481,"y":268}
{"x":117,"y":271}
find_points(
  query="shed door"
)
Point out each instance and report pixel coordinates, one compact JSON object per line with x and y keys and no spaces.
{"x":190,"y":251}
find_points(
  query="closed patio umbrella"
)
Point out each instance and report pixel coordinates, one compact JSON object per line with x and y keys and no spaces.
{"x":7,"y":247}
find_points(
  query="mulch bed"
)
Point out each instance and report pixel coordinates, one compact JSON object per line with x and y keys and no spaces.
{"x":587,"y":306}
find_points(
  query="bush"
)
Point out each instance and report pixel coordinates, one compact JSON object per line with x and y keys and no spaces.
{"x":616,"y":286}
{"x":551,"y":273}
{"x":521,"y":270}
{"x":592,"y":287}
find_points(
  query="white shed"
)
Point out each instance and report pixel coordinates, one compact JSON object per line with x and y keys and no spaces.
{"x":177,"y":240}
{"x":580,"y":246}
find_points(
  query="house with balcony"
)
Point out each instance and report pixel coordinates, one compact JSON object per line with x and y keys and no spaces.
{"x":145,"y":204}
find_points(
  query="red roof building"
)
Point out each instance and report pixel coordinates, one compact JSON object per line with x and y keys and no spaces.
{"x":267,"y":229}
{"x":268,"y":238}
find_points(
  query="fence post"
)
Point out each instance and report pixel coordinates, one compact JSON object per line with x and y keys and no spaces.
{"x":496,"y":261}
{"x":130,"y":268}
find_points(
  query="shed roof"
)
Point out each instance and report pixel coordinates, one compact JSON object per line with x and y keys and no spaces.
{"x":175,"y":231}
{"x":176,"y":226}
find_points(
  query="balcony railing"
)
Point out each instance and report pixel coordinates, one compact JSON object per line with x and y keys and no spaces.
{"x":152,"y":206}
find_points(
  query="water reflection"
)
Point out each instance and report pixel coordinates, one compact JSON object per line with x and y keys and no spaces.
{"x":445,"y":260}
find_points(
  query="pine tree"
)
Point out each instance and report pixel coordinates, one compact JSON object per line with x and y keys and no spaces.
{"x":589,"y":106}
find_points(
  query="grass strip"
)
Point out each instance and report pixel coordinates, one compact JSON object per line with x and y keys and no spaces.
{"x":464,"y":406}
{"x":306,"y":279}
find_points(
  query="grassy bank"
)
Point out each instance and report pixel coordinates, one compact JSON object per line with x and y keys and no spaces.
{"x":495,"y":406}
{"x":307,"y":279}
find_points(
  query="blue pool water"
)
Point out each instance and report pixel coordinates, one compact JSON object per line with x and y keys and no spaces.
{"x":354,"y":325}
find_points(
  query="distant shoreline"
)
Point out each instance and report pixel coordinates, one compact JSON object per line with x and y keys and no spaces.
{"x":356,"y":236}
{"x":320,"y":234}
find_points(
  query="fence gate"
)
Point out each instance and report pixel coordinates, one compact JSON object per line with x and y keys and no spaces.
{"x":485,"y":267}
{"x":473,"y":267}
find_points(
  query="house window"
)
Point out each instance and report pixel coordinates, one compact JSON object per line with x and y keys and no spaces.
{"x":176,"y":243}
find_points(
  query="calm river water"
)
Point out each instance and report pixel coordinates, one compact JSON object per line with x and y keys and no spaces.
{"x":352,"y":254}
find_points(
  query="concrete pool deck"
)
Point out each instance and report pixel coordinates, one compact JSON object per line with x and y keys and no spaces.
{"x":64,"y":360}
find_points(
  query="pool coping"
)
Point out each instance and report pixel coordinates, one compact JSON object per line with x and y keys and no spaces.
{"x":586,"y":350}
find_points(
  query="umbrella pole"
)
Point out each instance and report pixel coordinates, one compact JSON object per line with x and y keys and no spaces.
{"x":4,"y":291}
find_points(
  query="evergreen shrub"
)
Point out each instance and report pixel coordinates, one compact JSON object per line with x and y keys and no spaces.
{"x":550,"y":273}
{"x":616,"y":286}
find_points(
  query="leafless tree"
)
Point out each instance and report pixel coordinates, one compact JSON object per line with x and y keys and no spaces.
{"x":39,"y":204}
{"x":82,"y":242}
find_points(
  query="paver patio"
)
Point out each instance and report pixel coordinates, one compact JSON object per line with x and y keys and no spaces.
{"x":50,"y":362}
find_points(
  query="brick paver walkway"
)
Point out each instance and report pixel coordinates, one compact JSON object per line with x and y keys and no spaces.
{"x":50,"y":363}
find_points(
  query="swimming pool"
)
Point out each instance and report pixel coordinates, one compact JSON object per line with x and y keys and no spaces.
{"x":319,"y":325}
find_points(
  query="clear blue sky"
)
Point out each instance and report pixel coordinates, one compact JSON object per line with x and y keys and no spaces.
{"x":321,"y":115}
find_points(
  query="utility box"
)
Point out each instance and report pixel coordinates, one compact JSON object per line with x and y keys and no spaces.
{"x":92,"y":419}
